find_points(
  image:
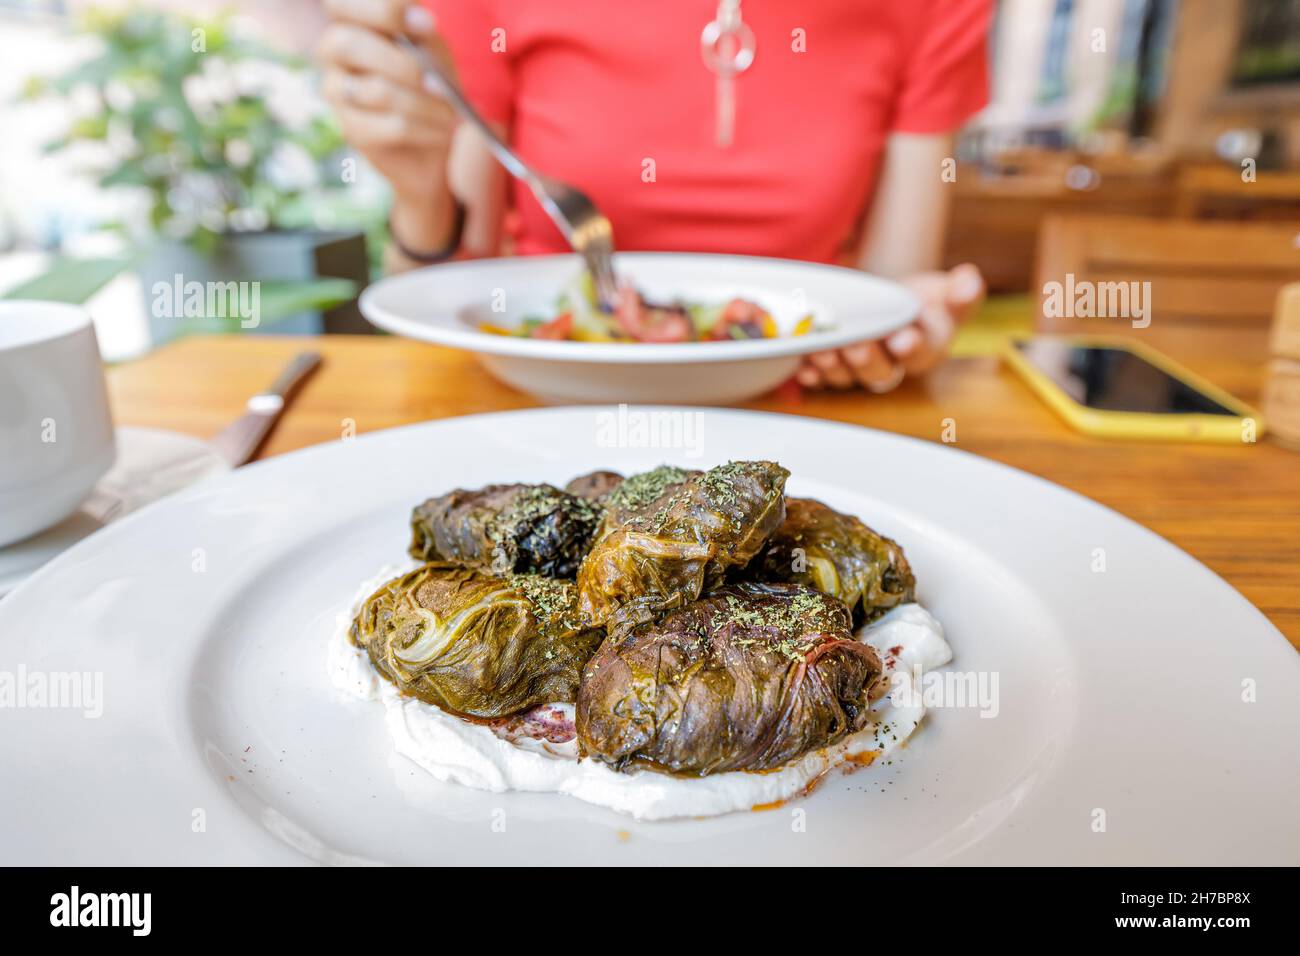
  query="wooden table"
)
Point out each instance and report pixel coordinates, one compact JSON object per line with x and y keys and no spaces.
{"x":1235,"y":508}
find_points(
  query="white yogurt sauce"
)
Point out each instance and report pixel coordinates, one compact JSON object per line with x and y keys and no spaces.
{"x":473,"y":755}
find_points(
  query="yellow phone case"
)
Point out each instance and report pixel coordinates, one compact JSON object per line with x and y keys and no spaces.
{"x":1143,"y":426}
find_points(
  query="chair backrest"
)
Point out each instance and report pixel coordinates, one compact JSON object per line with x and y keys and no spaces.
{"x":1220,"y":192}
{"x":1089,"y":268}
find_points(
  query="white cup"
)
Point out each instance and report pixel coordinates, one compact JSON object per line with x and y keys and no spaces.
{"x":56,"y":434}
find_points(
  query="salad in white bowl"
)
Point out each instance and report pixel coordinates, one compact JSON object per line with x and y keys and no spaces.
{"x":688,"y":328}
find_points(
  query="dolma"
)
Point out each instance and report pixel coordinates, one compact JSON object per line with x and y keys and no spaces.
{"x":749,"y":678}
{"x":506,"y":528}
{"x":839,"y":555}
{"x":665,"y":552}
{"x":616,"y":497}
{"x":594,"y":486}
{"x":637,"y":491}
{"x":477,"y":645}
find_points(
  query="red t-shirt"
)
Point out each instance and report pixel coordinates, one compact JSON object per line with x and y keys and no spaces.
{"x":593,"y":90}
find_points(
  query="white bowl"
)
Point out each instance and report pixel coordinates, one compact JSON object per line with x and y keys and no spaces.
{"x":447,"y":303}
{"x":56,"y":434}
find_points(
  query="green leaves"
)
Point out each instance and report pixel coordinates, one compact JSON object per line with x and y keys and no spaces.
{"x":477,"y":645}
{"x":533,"y":528}
{"x":69,"y":280}
{"x":182,"y":105}
{"x":668,"y":551}
{"x":838,"y":555}
{"x":76,"y":280}
{"x":749,"y":677}
{"x":277,"y":300}
{"x":282,"y":298}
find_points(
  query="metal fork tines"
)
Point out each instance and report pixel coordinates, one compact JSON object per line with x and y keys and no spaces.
{"x":590,"y":234}
{"x":585,"y":228}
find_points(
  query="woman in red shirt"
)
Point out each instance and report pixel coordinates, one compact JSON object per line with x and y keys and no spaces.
{"x":835,"y":151}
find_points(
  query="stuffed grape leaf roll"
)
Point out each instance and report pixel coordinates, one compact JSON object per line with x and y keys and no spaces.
{"x":665,"y":552}
{"x":595,"y":485}
{"x":639,"y":490}
{"x":617,"y":496}
{"x":506,"y":528}
{"x":477,"y":645}
{"x":750,"y":677}
{"x":838,"y":555}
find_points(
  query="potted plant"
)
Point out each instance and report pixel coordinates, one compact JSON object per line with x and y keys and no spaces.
{"x":243,"y":188}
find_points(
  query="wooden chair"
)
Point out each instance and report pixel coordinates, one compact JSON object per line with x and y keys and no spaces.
{"x":1200,"y":272}
{"x":995,"y":219}
{"x":1218,"y":192}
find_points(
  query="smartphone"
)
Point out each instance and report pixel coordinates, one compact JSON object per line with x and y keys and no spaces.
{"x":1118,"y":388}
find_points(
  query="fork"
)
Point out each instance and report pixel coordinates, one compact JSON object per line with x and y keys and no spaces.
{"x":584,"y":226}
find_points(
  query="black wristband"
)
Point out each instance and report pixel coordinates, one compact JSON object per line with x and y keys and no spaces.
{"x":440,"y":255}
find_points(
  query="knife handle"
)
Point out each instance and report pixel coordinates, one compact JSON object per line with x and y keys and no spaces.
{"x":238,"y":442}
{"x":294,"y":374}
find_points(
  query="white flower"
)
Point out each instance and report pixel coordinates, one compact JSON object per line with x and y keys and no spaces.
{"x":290,"y":169}
{"x":239,"y":152}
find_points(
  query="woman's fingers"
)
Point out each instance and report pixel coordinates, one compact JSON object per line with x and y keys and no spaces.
{"x":911,"y":347}
{"x":386,"y":16}
{"x":370,"y":92}
{"x":384,"y":20}
{"x":922,"y":345}
{"x":866,"y":364}
{"x":833,"y":371}
{"x":374,"y":111}
{"x":872,"y":367}
{"x":965,"y":291}
{"x":376,"y":86}
{"x":372,"y":128}
{"x":947,"y":299}
{"x":361,"y":50}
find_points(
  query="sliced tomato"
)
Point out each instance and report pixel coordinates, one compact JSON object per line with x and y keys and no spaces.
{"x":629,"y":311}
{"x":743,"y":316}
{"x":560,"y":327}
{"x":669,"y":325}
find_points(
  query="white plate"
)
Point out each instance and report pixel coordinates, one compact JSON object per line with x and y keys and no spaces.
{"x":150,"y":463}
{"x":447,"y":303}
{"x":1120,"y":692}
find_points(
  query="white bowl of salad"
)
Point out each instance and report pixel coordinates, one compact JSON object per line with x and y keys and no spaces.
{"x":688,"y":328}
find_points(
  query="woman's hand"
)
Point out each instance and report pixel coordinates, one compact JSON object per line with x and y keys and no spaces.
{"x":387,"y":114}
{"x":947,"y":300}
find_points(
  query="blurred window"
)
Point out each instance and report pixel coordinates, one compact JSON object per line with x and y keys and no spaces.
{"x":1051,"y":83}
{"x":54,"y":7}
{"x":1269,"y":49}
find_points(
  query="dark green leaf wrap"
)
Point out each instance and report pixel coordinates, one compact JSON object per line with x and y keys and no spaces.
{"x":836,"y":554}
{"x":748,"y":678}
{"x":634,"y":493}
{"x":505,"y":528}
{"x":594,"y":486}
{"x":666,"y":552}
{"x":477,"y":645}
